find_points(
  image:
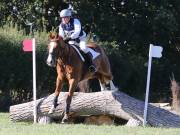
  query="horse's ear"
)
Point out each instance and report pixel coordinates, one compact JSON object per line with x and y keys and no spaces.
{"x":52,"y":35}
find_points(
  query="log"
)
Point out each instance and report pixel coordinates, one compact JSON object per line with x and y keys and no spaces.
{"x":116,"y":104}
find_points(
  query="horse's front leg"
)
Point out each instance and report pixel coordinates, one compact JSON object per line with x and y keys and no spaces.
{"x":72,"y":87}
{"x":59,"y":84}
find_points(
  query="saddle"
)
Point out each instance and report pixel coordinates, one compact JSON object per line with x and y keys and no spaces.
{"x":84,"y":57}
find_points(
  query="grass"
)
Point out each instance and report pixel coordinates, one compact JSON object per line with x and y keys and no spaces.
{"x":21,"y":128}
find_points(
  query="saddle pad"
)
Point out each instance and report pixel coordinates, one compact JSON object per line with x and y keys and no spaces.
{"x":77,"y":50}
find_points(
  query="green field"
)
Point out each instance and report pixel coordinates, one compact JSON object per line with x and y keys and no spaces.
{"x":9,"y":128}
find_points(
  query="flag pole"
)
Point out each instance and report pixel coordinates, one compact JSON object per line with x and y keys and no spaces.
{"x":147,"y":86}
{"x":33,"y":65}
{"x":34,"y":79}
{"x":34,"y":72}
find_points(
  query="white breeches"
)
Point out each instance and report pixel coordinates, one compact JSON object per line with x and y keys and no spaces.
{"x":86,"y":49}
{"x":83,"y":46}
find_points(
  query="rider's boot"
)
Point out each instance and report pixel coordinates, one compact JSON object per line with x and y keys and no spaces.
{"x":92,"y":67}
{"x":92,"y":55}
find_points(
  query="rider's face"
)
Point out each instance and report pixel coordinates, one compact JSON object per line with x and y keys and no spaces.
{"x":66,"y":19}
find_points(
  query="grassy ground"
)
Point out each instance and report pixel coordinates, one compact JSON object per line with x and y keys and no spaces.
{"x":9,"y":128}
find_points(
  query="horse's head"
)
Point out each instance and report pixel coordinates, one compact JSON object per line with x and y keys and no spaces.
{"x":52,"y":45}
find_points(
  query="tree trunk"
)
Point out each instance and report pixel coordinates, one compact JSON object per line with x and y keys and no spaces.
{"x":175,"y":89}
{"x":115,"y":104}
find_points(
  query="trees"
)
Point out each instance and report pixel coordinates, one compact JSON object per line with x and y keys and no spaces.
{"x":125,"y":29}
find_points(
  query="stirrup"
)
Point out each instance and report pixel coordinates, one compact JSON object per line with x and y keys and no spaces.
{"x":92,"y":69}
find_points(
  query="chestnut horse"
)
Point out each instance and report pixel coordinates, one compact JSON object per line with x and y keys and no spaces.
{"x":72,"y":69}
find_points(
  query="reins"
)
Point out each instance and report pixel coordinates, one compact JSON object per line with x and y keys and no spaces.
{"x":64,"y":55}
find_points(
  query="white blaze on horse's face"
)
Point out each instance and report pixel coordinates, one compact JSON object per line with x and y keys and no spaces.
{"x":51,"y":47}
{"x":50,"y":60}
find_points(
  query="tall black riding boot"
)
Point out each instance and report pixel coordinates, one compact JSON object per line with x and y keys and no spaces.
{"x":92,"y":67}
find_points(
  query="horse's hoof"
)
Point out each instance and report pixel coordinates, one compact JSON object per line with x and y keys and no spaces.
{"x":65,"y":119}
{"x":51,"y":110}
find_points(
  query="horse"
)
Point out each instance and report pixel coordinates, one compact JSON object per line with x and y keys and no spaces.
{"x":72,"y":69}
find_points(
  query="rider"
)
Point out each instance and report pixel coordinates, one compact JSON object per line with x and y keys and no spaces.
{"x":71,"y":29}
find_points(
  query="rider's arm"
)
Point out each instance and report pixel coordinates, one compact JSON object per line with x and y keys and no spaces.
{"x":61,"y":32}
{"x":77,"y":29}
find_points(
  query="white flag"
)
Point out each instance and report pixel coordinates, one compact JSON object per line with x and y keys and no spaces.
{"x":155,"y":51}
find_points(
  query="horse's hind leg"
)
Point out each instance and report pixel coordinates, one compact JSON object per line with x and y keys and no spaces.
{"x":102,"y":85}
{"x":109,"y":83}
{"x":102,"y":81}
{"x":105,"y":80}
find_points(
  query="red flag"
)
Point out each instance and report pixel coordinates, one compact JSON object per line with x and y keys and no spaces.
{"x":27,"y":45}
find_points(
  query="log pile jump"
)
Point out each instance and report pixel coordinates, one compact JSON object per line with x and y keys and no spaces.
{"x":114,"y":104}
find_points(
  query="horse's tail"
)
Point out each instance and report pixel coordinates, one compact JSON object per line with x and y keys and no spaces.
{"x":105,"y":60}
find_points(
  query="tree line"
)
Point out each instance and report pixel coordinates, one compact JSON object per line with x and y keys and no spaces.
{"x":124,"y":28}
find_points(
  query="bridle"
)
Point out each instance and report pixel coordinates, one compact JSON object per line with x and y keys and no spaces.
{"x":61,"y":54}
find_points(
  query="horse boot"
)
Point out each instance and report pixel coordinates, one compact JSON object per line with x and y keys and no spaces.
{"x":55,"y":104}
{"x":65,"y":119}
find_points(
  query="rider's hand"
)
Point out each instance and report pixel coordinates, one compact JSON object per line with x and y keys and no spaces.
{"x":77,"y":40}
{"x":67,"y":38}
